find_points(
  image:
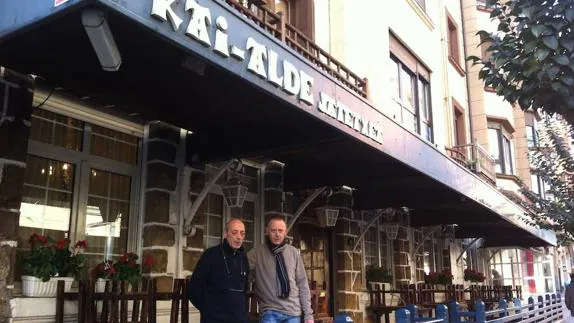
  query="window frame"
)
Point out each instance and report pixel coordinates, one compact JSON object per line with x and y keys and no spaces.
{"x":504,"y":160}
{"x":453,"y":38}
{"x":418,"y":83}
{"x":83,"y":161}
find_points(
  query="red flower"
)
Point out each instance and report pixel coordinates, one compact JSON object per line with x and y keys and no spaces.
{"x":148,"y":262}
{"x":82,"y":244}
{"x":62,"y":244}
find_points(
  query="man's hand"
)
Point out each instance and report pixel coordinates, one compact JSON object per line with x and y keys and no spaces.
{"x":309,"y":321}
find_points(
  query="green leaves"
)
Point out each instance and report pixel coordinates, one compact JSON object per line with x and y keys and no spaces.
{"x":551,"y":42}
{"x":541,"y":54}
{"x":531,"y":57}
{"x":561,"y":59}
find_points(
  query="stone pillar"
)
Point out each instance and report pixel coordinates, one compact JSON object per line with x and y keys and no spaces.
{"x":349,"y":263}
{"x":273,"y":190}
{"x":16,"y":95}
{"x":194,"y":246}
{"x":164,"y":163}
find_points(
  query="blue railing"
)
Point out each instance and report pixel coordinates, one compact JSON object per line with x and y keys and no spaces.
{"x":543,"y":309}
{"x":410,"y":314}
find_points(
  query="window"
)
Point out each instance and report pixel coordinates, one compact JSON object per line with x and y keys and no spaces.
{"x":410,"y":91}
{"x":375,"y":245}
{"x":459,"y":126}
{"x":298,"y":13}
{"x":484,"y":45}
{"x":79,"y":184}
{"x":531,"y":270}
{"x":531,"y":136}
{"x":538,"y":185}
{"x":501,"y":150}
{"x":453,"y":44}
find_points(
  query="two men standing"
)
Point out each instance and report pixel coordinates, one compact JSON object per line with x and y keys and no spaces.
{"x":219,"y":283}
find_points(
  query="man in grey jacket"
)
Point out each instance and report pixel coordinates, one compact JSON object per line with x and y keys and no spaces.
{"x":280,"y":280}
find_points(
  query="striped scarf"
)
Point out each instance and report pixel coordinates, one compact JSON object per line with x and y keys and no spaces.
{"x":281,"y":269}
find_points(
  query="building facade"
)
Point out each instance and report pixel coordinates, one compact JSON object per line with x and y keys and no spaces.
{"x":312,"y":105}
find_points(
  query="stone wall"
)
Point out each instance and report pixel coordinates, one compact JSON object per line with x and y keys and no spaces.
{"x":164,"y":165}
{"x":349,"y":263}
{"x":15,"y":110}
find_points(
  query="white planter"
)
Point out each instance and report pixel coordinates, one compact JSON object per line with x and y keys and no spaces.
{"x":35,"y":287}
{"x":100,"y":285}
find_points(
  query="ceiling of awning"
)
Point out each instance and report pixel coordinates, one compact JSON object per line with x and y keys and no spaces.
{"x":231,"y":118}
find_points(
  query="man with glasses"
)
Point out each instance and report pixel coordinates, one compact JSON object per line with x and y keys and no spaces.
{"x":219,"y":282}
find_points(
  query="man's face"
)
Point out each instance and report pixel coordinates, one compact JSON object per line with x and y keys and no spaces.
{"x":276,"y":231}
{"x":235,"y":234}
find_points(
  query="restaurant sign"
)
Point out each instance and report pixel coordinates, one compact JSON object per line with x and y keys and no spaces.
{"x":261,"y":60}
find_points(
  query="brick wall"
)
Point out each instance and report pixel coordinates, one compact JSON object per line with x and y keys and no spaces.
{"x":15,"y":109}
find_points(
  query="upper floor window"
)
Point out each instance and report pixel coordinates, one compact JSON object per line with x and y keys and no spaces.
{"x":453,"y":44}
{"x":298,"y":13}
{"x":410,"y":90}
{"x":531,"y":136}
{"x":500,"y":147}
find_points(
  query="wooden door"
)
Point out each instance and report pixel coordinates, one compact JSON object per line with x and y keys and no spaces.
{"x":314,"y":245}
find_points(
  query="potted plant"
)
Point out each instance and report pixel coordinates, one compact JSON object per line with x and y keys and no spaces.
{"x":377,"y":275}
{"x":49,"y":261}
{"x":440,"y":279}
{"x":474,"y":276}
{"x":125,"y":268}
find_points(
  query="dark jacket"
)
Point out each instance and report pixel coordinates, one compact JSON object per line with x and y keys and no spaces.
{"x":218,"y":285}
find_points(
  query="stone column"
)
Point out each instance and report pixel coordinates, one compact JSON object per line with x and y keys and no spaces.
{"x":349,"y":263}
{"x":194,"y":246}
{"x":273,"y":191}
{"x":16,"y":95}
{"x":164,"y":163}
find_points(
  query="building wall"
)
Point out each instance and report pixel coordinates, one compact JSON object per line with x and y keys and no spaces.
{"x":357,"y":33}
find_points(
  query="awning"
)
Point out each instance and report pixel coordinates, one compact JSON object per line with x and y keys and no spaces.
{"x":239,"y":107}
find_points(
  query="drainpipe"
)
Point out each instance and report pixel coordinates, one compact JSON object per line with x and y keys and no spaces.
{"x":445,"y":63}
{"x":467,"y":74}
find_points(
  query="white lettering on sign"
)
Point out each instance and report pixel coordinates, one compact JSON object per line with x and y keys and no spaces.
{"x":162,"y":10}
{"x":262,"y":61}
{"x":348,"y":117}
{"x":200,"y":20}
{"x":221,"y":39}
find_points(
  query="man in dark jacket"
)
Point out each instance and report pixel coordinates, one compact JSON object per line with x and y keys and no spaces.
{"x":219,"y":282}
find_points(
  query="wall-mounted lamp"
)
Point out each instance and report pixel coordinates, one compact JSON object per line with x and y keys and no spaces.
{"x":234,"y":192}
{"x":327,"y":216}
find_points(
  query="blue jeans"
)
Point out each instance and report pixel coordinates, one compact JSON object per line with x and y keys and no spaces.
{"x":270,"y":316}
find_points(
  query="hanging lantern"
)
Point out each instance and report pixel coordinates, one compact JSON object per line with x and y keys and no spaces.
{"x":234,"y":193}
{"x":327,"y":216}
{"x":391,"y":230}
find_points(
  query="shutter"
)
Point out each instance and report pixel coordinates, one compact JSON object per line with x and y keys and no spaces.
{"x":303,"y":16}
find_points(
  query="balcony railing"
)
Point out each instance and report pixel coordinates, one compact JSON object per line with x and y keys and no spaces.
{"x":475,"y":158}
{"x":276,"y":25}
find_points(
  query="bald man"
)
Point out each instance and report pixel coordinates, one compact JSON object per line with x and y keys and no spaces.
{"x":219,"y":282}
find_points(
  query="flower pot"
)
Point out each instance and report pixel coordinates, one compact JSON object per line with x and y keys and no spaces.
{"x":100,"y":285}
{"x":35,"y":287}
